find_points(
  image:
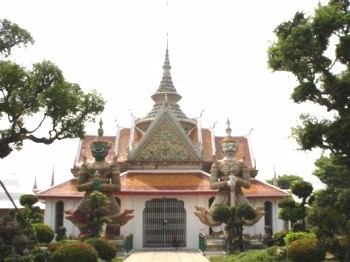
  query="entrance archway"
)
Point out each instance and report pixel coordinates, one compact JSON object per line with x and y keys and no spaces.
{"x":164,"y":220}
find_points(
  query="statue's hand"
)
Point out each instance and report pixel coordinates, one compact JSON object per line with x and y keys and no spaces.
{"x":232,"y":182}
{"x":96,"y":185}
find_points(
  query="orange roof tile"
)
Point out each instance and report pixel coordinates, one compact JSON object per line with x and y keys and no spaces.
{"x":165,"y":183}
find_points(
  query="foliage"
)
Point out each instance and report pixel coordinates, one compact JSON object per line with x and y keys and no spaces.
{"x":330,"y":218}
{"x":284,"y":181}
{"x":272,"y":254}
{"x":13,"y":36}
{"x":97,"y":203}
{"x":292,"y":236}
{"x":18,"y":258}
{"x":74,"y":252}
{"x":44,"y":233}
{"x":302,"y":189}
{"x":278,"y":238}
{"x":30,"y":212}
{"x":105,"y":249}
{"x":222,"y":213}
{"x":332,"y":172}
{"x":28,"y":200}
{"x":54,"y":246}
{"x":305,"y":250}
{"x":293,"y":211}
{"x":31,"y":100}
{"x":234,"y":218}
{"x":315,"y":49}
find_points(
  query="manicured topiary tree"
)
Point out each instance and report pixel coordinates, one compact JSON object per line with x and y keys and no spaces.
{"x":75,"y":252}
{"x":105,"y":249}
{"x":44,"y":233}
{"x":234,"y":218}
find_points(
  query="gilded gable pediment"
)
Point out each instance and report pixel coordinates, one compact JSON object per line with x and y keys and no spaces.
{"x":165,"y":141}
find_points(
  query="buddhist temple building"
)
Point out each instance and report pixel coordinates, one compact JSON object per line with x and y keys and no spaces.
{"x":164,"y":160}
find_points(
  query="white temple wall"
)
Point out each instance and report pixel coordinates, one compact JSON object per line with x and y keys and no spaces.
{"x":135,"y":226}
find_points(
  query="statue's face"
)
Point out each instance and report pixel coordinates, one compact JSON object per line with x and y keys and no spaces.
{"x":229,"y":147}
{"x":99,"y":150}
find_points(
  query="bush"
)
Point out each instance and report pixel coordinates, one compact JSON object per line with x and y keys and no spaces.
{"x":222,"y":213}
{"x":75,"y":252}
{"x":17,"y":258}
{"x":28,"y":200}
{"x":44,"y":233}
{"x":278,"y":238}
{"x":253,"y":256}
{"x":57,"y":245}
{"x":292,"y":236}
{"x":305,"y":250}
{"x":39,"y":254}
{"x":105,"y":249}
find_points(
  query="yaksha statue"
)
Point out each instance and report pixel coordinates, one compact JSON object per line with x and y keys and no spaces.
{"x":228,"y":175}
{"x":101,"y":176}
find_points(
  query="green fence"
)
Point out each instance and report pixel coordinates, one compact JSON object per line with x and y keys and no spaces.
{"x":202,"y":243}
{"x":128,"y":243}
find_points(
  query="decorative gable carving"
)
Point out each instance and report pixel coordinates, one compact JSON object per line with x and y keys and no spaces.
{"x":165,"y":141}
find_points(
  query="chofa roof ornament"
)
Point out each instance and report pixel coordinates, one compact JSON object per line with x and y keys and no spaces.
{"x":228,"y":138}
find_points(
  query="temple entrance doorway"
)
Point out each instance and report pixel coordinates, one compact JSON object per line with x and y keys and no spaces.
{"x":164,"y":223}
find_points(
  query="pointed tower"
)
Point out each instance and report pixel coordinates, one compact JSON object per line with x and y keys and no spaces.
{"x":166,"y":95}
{"x":35,"y":187}
{"x":53,"y":177}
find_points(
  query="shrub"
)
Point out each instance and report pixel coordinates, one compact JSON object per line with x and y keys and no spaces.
{"x":44,"y":233}
{"x":28,"y":200}
{"x":17,"y":258}
{"x":305,"y":250}
{"x":278,"y":238}
{"x":75,"y":252}
{"x":292,"y":236}
{"x":105,"y":249}
{"x":253,"y":256}
{"x":222,"y":213}
{"x":39,"y":254}
{"x":57,"y":245}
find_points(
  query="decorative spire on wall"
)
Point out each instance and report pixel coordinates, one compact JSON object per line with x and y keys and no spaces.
{"x":35,"y":187}
{"x":53,"y":177}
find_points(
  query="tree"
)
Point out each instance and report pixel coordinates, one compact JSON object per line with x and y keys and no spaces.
{"x":316,"y":50}
{"x":234,"y":218}
{"x":39,"y":99}
{"x":296,"y":211}
{"x":302,"y":46}
{"x":284,"y":181}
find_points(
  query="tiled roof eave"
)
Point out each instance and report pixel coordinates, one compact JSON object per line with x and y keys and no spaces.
{"x":167,"y":192}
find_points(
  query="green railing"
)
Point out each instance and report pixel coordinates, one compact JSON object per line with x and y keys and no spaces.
{"x":202,"y":243}
{"x":128,"y":243}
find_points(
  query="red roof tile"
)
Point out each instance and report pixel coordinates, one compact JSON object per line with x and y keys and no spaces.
{"x":139,"y":183}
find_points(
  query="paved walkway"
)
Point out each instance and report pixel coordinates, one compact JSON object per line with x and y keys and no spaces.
{"x":166,"y":255}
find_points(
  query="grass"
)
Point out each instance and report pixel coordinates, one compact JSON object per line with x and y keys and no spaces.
{"x":265,"y":255}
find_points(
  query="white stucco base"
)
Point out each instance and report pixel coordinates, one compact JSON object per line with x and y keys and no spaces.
{"x":135,"y":226}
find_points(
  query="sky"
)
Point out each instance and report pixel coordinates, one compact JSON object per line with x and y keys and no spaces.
{"x":218,"y":54}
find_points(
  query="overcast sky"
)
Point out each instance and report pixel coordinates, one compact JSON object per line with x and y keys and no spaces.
{"x":218,"y":53}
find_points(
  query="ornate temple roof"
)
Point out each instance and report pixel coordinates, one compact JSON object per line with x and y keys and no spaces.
{"x":166,"y":95}
{"x":160,"y":183}
{"x":189,"y":152}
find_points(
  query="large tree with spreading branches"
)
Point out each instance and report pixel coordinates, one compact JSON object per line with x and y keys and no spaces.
{"x":316,"y":50}
{"x":38,"y":104}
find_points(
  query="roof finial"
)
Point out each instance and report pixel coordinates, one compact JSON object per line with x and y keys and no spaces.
{"x":228,"y":129}
{"x":100,"y":130}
